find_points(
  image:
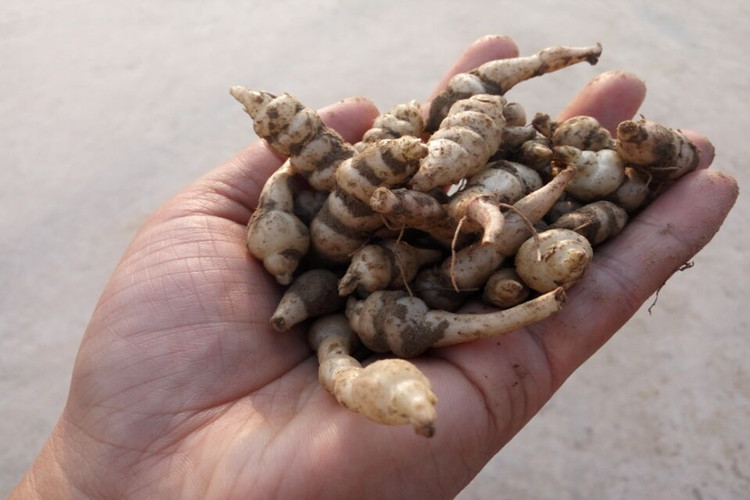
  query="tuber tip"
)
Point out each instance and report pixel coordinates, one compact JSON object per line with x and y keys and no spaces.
{"x":560,"y":297}
{"x":348,"y":283}
{"x":423,"y":416}
{"x":425,"y":430}
{"x":278,"y":323}
{"x":252,"y":100}
{"x":596,"y":51}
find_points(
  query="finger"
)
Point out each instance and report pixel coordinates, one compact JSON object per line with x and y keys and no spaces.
{"x":231,"y":191}
{"x":611,"y":97}
{"x":626,"y":272}
{"x":487,"y":48}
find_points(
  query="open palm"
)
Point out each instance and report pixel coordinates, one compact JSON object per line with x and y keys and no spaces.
{"x":181,"y":389}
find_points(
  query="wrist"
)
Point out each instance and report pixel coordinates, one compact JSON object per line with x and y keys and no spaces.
{"x":47,"y":477}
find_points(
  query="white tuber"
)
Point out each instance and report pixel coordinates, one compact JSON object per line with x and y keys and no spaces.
{"x":557,"y":258}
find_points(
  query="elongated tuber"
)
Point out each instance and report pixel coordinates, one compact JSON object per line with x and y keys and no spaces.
{"x":499,"y":76}
{"x":388,"y":391}
{"x":392,"y":321}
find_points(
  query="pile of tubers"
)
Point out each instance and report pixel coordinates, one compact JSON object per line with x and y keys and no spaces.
{"x":383,"y":241}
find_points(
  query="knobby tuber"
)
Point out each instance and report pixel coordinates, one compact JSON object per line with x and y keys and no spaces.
{"x":381,"y":242}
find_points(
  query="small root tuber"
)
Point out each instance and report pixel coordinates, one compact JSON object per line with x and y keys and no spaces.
{"x":275,"y":234}
{"x":582,"y":132}
{"x":471,"y":266}
{"x":557,"y":258}
{"x":505,"y":289}
{"x":599,"y":173}
{"x":633,"y":193}
{"x":314,"y":293}
{"x":500,"y":183}
{"x":597,"y":221}
{"x":401,"y":120}
{"x":388,"y":264}
{"x":664,"y":154}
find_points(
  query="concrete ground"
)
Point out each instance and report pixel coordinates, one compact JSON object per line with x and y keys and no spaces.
{"x":109,"y":108}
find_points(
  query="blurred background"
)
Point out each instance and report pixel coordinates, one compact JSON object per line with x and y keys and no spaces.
{"x":109,"y":108}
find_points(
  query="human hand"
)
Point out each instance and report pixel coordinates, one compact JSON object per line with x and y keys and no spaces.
{"x":181,"y":388}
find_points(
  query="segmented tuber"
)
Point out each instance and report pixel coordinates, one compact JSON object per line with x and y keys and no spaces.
{"x":467,"y":137}
{"x":346,"y":220}
{"x":497,"y":77}
{"x":597,"y":221}
{"x":296,"y":131}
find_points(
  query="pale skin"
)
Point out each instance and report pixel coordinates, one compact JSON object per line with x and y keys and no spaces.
{"x":181,"y":389}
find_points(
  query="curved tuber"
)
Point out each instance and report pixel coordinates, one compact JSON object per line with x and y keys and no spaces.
{"x":388,"y":391}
